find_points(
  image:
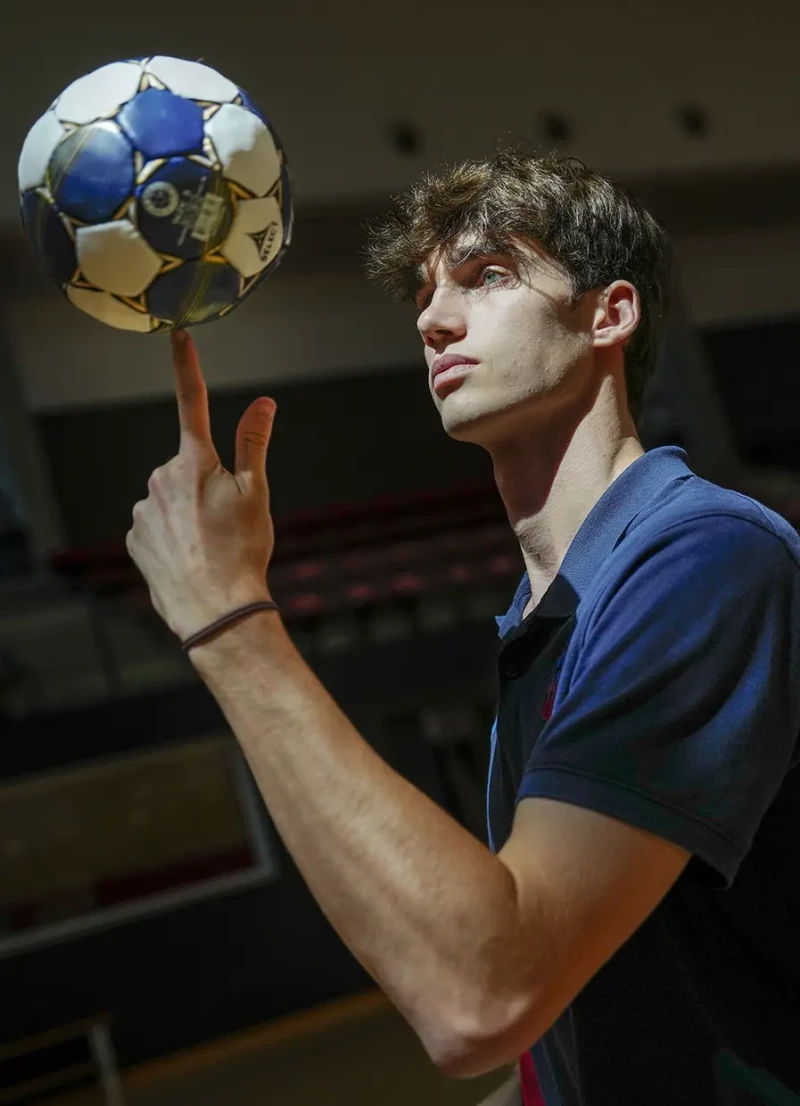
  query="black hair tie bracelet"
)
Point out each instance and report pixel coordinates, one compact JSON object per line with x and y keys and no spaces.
{"x":225,"y":621}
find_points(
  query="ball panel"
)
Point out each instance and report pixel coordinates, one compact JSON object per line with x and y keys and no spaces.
{"x":116,"y":258}
{"x":106,"y":309}
{"x":265,"y":273}
{"x":192,"y":79}
{"x":184,"y":209}
{"x":268,"y":271}
{"x":37,"y":149}
{"x":249,"y":103}
{"x":196,"y":292}
{"x":287,"y":216}
{"x":245,"y":148}
{"x":49,"y":236}
{"x":100,"y":93}
{"x":161,"y":124}
{"x":255,"y":237}
{"x":92,"y":172}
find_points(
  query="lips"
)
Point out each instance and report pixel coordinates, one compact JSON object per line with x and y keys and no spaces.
{"x":449,"y":361}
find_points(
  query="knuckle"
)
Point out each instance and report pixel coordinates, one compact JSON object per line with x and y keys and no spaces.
{"x":155,"y":480}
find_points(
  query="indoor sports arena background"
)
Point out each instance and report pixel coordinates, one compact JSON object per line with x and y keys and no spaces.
{"x":156,"y":942}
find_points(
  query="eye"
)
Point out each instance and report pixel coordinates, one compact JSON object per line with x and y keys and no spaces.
{"x":490,"y":276}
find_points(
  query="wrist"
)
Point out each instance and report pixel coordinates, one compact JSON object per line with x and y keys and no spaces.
{"x":222,"y":622}
{"x":233,"y":643}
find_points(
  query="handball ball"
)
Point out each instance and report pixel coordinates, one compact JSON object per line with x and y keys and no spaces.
{"x":156,"y":194}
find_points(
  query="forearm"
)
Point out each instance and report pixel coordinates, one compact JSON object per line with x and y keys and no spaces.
{"x":423,"y":905}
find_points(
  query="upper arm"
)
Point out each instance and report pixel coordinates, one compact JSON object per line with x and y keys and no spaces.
{"x":681,"y":713}
{"x":584,"y":882}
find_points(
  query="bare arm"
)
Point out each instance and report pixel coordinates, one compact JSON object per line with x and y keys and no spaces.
{"x":481,"y":953}
{"x":424,"y":906}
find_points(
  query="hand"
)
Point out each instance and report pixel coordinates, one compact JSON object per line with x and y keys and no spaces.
{"x":203,"y":538}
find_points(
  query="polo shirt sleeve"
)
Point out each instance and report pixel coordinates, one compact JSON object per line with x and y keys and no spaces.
{"x":682,"y":709}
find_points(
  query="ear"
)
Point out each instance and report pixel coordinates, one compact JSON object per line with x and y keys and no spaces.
{"x":617,"y":315}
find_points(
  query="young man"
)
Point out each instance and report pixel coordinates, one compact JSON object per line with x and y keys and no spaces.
{"x":635,"y":920}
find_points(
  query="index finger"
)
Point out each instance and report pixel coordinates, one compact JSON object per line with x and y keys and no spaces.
{"x":191,"y":393}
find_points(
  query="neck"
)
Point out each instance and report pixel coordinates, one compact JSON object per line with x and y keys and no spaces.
{"x":551,"y":475}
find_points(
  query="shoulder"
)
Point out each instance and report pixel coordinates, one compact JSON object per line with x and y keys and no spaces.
{"x":701,"y":544}
{"x":718,"y":523}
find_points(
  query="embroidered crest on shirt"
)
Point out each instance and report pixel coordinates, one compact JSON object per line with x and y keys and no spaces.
{"x":550,"y":698}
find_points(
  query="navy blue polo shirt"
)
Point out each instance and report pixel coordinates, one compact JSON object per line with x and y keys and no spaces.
{"x":658,"y":682}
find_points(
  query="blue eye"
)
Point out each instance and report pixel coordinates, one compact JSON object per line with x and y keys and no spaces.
{"x":487,"y":273}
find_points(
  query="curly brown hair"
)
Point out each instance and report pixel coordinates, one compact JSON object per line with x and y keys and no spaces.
{"x":593,"y":227}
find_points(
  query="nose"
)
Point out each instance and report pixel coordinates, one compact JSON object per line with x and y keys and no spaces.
{"x":442,"y":322}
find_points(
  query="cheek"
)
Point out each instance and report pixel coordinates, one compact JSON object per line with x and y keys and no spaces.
{"x":538,"y":355}
{"x":530,"y":340}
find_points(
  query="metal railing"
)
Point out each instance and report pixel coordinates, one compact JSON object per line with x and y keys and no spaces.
{"x":53,"y":1069}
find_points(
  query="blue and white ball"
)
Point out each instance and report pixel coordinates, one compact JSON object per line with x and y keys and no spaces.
{"x":156,"y":193}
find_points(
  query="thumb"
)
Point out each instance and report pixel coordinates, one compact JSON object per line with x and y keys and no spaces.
{"x":252,"y":438}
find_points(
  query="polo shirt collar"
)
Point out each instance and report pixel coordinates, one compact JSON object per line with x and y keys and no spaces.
{"x":599,"y":533}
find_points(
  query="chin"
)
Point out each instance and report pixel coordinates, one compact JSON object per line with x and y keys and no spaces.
{"x":466,"y":422}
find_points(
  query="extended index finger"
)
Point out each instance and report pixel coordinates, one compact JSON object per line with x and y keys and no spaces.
{"x":191,"y":393}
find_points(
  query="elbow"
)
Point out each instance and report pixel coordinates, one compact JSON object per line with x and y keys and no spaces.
{"x":454,"y":1056}
{"x":458,"y":1059}
{"x":475,"y":1043}
{"x":469,"y":1059}
{"x":464,"y":1063}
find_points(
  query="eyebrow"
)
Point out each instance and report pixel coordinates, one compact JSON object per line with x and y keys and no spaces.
{"x":477,"y":251}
